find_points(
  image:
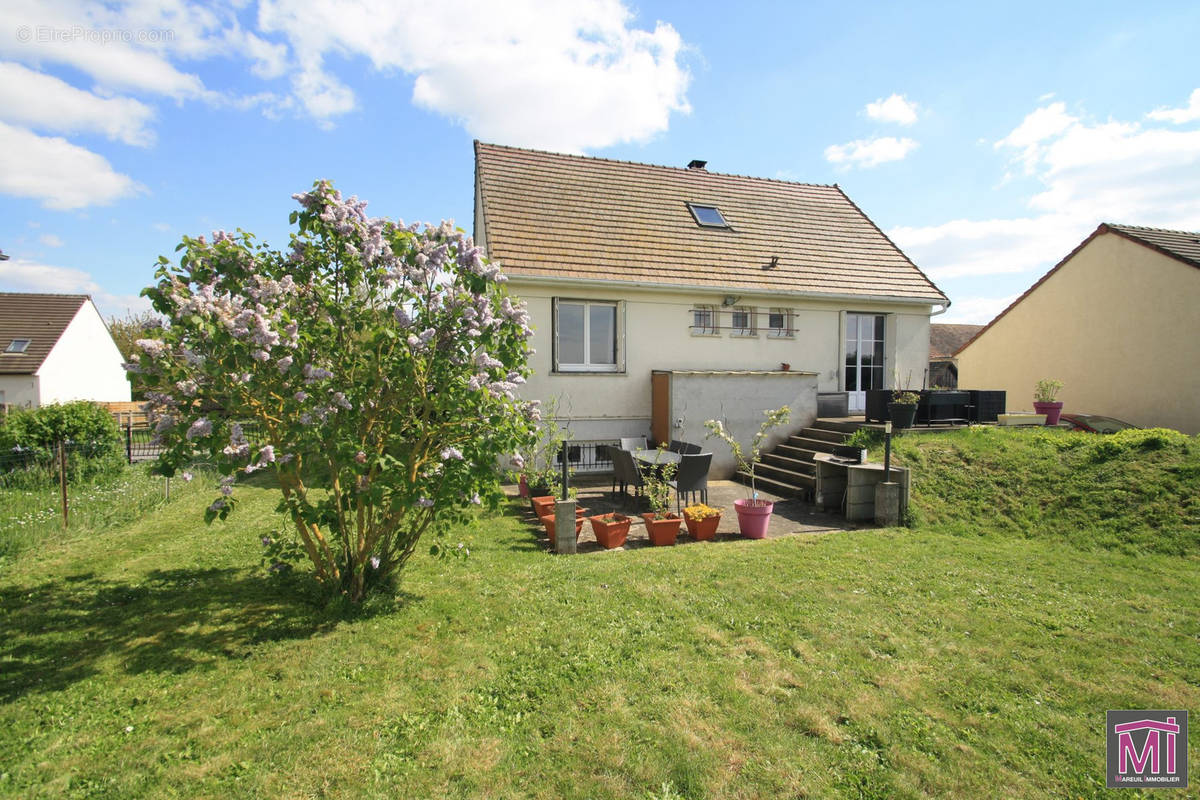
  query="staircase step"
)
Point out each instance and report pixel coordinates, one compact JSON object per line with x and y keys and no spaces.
{"x":794,"y":453}
{"x":844,"y":426}
{"x":823,"y":434}
{"x":784,"y":475}
{"x":805,"y":443}
{"x":803,"y":486}
{"x":804,"y":466}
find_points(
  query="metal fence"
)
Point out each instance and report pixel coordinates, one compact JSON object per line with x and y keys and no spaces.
{"x":589,"y":456}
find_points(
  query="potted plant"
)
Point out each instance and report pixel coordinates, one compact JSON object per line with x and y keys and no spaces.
{"x":611,"y":529}
{"x":701,"y":521}
{"x":754,"y":514}
{"x":548,"y":521}
{"x":903,"y":408}
{"x":1043,"y":399}
{"x":661,"y":525}
{"x":541,"y":475}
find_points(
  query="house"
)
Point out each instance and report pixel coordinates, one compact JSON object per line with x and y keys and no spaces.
{"x":1117,"y":321}
{"x":663,"y":296}
{"x":944,"y":341}
{"x":55,"y":348}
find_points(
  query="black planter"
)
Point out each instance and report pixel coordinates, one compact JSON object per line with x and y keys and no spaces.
{"x":902,"y":414}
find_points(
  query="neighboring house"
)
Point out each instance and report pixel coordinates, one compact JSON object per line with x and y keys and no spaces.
{"x":55,"y":348}
{"x":944,"y":341}
{"x":712,"y":281}
{"x":1117,"y":321}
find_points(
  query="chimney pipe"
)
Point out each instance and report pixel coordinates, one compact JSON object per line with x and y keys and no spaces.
{"x":696,"y":163}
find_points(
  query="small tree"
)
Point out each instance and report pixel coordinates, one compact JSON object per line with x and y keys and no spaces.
{"x":373,"y":369}
{"x":746,"y":463}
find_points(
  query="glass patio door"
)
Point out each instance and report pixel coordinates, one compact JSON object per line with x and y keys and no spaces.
{"x":864,"y":358}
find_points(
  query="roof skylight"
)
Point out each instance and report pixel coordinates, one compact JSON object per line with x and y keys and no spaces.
{"x":708,"y":216}
{"x":18,"y":346}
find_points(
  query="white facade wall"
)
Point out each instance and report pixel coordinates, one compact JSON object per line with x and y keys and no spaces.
{"x":85,"y":364}
{"x":656,"y":335}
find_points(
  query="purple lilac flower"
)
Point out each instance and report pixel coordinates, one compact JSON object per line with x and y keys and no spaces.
{"x":451,"y":454}
{"x":360,"y":457}
{"x":199,"y":428}
{"x":425,"y":502}
{"x":266,"y":455}
{"x":301,"y":396}
{"x":187,"y":476}
{"x":227,"y":485}
{"x":284,"y":363}
{"x":375,"y":562}
{"x":267,"y":541}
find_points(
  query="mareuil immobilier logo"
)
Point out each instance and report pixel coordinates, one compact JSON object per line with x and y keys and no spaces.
{"x":1147,"y":749}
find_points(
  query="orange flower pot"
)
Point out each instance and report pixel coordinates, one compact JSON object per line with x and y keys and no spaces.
{"x":702,"y":529}
{"x":612,"y":532}
{"x":662,"y":532}
{"x":548,"y":521}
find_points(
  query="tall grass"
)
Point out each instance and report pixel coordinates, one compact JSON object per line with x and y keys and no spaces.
{"x":31,"y":514}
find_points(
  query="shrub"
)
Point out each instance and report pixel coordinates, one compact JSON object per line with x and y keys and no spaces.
{"x":375,"y":362}
{"x":89,"y":432}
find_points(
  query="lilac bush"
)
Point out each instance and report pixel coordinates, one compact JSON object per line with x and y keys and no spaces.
{"x":373,"y":369}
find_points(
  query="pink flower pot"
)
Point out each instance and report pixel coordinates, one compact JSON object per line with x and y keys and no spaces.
{"x":1051,"y":410}
{"x":754,"y":516}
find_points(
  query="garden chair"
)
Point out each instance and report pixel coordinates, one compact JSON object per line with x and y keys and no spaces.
{"x":633,"y":443}
{"x":692,"y":477}
{"x":626,"y":472}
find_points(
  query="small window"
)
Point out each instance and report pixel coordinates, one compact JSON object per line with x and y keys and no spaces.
{"x":704,"y":321}
{"x":742,"y":321}
{"x":779,"y":323}
{"x":18,"y":346}
{"x":708,"y":216}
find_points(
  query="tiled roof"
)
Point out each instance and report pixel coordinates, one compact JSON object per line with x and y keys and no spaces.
{"x":40,"y":318}
{"x":591,"y":218}
{"x":1182,"y":245}
{"x":945,"y":339}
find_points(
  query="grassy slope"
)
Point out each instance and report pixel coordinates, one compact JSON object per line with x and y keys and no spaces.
{"x":153,"y":661}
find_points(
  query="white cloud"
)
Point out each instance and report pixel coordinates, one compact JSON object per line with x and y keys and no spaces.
{"x":20,"y":275}
{"x":897,"y":109}
{"x":60,"y":174}
{"x":1089,"y":173}
{"x":975,"y":310}
{"x":50,"y":240}
{"x":36,"y":100}
{"x":1179,"y":115}
{"x":554,"y":75}
{"x":869,"y":152}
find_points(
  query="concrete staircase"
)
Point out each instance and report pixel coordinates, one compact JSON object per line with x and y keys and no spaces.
{"x":788,"y":470}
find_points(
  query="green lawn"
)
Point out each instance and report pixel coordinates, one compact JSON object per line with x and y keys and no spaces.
{"x":154,"y":660}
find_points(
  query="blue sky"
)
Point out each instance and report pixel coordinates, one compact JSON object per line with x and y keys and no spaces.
{"x":986,"y":139}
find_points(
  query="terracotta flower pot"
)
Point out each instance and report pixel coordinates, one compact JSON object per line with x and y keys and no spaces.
{"x":702,"y":529}
{"x":1051,"y":410}
{"x":754,"y":517}
{"x":523,"y":487}
{"x":662,"y":532}
{"x":610,"y":533}
{"x":542,"y":505}
{"x":548,"y":521}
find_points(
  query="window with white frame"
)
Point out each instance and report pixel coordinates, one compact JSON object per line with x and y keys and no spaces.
{"x":779,"y":323}
{"x":586,"y":336}
{"x":741,"y":321}
{"x":704,"y":321}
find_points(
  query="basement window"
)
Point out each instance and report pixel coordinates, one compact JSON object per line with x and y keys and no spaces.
{"x":18,"y":346}
{"x":707,"y":216}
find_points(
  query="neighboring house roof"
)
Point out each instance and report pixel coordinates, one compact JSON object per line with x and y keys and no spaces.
{"x":945,"y":339}
{"x":582,"y":218}
{"x":40,"y":318}
{"x":1180,"y":245}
